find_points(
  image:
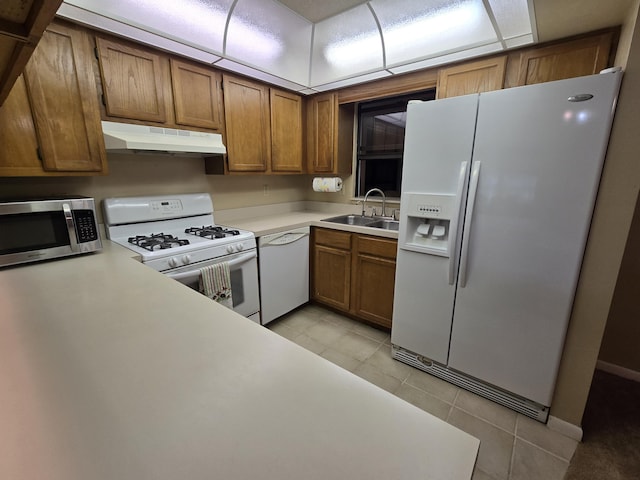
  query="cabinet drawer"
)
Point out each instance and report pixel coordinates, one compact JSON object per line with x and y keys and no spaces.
{"x":379,"y":247}
{"x":333,"y":238}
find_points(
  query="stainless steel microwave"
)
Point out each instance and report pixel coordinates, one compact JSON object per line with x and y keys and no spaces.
{"x":41,"y":229}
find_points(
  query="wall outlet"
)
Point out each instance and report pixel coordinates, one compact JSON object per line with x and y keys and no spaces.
{"x":265,"y":189}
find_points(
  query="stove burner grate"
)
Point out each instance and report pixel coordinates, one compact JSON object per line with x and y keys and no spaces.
{"x":157,"y":241}
{"x":211,"y":232}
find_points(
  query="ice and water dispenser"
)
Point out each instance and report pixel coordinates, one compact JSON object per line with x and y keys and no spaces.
{"x":430,"y":223}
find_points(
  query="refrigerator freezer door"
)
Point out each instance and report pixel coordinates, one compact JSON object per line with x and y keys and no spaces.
{"x":438,"y":139}
{"x":541,"y":160}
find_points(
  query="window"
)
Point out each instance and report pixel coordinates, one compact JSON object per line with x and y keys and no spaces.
{"x":381,"y":126}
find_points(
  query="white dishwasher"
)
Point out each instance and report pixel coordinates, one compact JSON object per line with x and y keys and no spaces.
{"x":284,"y":272}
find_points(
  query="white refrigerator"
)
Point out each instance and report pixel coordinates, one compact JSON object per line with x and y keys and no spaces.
{"x":498,"y":191}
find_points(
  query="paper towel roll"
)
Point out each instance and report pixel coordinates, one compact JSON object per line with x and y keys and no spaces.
{"x":328,"y":184}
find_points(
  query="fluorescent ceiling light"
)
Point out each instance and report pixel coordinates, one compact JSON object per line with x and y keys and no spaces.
{"x":449,"y":22}
{"x":375,"y":38}
{"x":436,"y":29}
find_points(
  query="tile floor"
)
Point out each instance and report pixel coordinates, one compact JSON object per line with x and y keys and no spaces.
{"x":512,"y":446}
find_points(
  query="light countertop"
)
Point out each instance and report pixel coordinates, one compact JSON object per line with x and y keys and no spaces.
{"x":110,"y":370}
{"x":267,"y":224}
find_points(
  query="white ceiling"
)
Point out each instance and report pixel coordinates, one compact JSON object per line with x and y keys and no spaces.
{"x":318,"y":45}
{"x":318,"y":10}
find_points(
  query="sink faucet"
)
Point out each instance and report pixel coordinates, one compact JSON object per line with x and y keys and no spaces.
{"x":374,"y":190}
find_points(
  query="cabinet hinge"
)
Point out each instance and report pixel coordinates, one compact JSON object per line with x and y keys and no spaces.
{"x":39,"y":153}
{"x":95,"y":52}
{"x":104,"y":101}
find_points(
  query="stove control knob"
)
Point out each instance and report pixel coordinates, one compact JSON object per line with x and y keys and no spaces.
{"x":186,"y":259}
{"x":240,"y":247}
{"x":173,"y":262}
{"x":231,"y":248}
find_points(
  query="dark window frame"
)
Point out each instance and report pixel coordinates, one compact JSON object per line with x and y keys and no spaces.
{"x":379,"y":162}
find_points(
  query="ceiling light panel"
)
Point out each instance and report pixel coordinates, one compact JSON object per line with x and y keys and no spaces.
{"x":419,"y":29}
{"x":199,"y":23}
{"x":513,"y":17}
{"x":270,"y":37}
{"x":345,"y":45}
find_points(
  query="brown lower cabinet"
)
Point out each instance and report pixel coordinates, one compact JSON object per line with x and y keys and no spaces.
{"x":354,"y":273}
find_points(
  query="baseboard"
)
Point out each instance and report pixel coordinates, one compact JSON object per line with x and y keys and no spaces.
{"x":618,"y":370}
{"x":565,"y":428}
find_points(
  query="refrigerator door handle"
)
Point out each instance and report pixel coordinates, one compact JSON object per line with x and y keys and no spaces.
{"x":463,"y":177}
{"x":464,"y":255}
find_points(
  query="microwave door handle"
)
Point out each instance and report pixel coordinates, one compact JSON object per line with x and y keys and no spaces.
{"x":71,"y":227}
{"x":196,"y":272}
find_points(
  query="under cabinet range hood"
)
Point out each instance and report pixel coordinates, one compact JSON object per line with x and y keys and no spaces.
{"x":129,"y":138}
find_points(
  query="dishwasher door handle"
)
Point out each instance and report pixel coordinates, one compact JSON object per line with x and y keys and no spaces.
{"x":284,"y":239}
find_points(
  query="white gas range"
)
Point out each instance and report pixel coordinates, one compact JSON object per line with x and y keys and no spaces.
{"x":177,"y":235}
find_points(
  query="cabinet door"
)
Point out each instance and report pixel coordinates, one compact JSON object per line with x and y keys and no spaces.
{"x":331,"y":269}
{"x":471,"y":77}
{"x":374,"y":279}
{"x":246,"y":107}
{"x":580,"y":57}
{"x":196,"y":95}
{"x":64,"y":101}
{"x":332,"y":276}
{"x":132,"y":82}
{"x":323,"y":138}
{"x":23,"y":23}
{"x":286,"y":132}
{"x":19,"y":145}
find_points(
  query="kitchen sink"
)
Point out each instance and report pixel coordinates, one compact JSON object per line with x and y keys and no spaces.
{"x":352,"y":220}
{"x":385,"y":223}
{"x":362,"y":221}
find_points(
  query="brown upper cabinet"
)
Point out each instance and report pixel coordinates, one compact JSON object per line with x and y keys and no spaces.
{"x":264,"y":128}
{"x":247,"y":120}
{"x":147,"y":86}
{"x":286,"y":132}
{"x":583,"y":56}
{"x":22,"y":24}
{"x":19,"y":144}
{"x":64,"y":102}
{"x":197,"y":95}
{"x":329,"y":135}
{"x":133,"y":81}
{"x":471,"y":77}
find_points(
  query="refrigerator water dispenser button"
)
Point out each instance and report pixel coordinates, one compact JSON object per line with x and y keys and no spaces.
{"x":438,"y":231}
{"x":424,"y":229}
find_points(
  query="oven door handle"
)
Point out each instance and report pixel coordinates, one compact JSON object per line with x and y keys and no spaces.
{"x":196,"y":272}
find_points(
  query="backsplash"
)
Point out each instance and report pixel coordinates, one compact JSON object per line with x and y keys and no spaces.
{"x":131,"y":175}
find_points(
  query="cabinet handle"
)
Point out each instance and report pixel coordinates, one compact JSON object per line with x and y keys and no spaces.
{"x":464,"y":255}
{"x":463,"y":177}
